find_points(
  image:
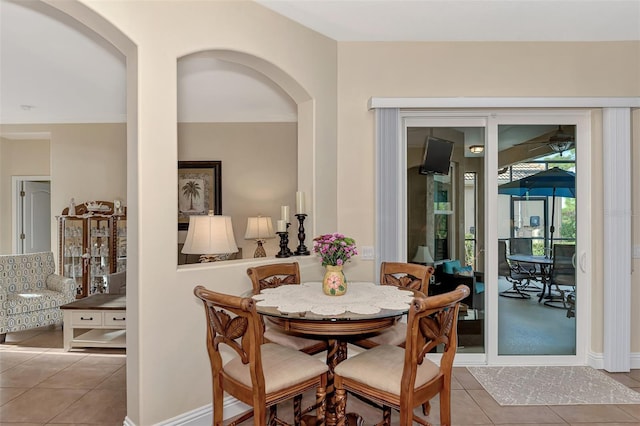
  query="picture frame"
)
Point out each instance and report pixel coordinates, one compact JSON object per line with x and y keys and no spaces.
{"x":199,"y":190}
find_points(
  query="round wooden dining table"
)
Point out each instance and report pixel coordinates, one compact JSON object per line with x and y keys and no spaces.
{"x":305,"y":309}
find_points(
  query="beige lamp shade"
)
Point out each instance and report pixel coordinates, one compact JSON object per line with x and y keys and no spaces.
{"x":259,"y":228}
{"x":423,"y":255}
{"x":210,"y":235}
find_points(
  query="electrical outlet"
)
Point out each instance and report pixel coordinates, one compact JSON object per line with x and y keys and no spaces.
{"x":367,"y":253}
{"x":636,"y":251}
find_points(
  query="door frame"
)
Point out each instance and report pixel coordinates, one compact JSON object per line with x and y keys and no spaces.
{"x":16,"y":207}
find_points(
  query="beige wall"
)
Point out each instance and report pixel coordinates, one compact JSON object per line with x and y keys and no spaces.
{"x":85,"y":161}
{"x":476,"y":69}
{"x":167,"y":366}
{"x":88,"y":162}
{"x":18,"y":157}
{"x":259,"y":170}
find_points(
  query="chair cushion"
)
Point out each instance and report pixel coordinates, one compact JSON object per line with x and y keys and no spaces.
{"x":463,"y":271}
{"x":447,"y":267}
{"x":277,"y":335}
{"x":282,"y":367}
{"x":395,"y":335}
{"x":381,"y":368}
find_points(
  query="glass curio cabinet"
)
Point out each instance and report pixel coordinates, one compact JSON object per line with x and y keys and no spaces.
{"x":93,"y":245}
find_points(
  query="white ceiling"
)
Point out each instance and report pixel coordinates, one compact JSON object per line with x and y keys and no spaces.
{"x":466,"y":20}
{"x":53,"y":70}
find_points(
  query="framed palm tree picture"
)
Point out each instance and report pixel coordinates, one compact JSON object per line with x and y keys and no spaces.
{"x":199,"y":190}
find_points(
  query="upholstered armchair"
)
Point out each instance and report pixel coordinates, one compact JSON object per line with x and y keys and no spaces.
{"x":31,"y":293}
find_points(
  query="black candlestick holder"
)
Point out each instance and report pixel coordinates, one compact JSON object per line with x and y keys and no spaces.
{"x":302,"y":249}
{"x":285,"y":251}
{"x":284,"y":242}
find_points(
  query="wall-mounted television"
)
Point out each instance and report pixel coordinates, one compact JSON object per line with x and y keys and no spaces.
{"x":437,"y":156}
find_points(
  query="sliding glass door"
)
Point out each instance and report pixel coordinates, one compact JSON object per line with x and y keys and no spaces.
{"x":538,"y":222}
{"x":482,"y":222}
{"x":445,"y":219}
{"x":537,"y":239}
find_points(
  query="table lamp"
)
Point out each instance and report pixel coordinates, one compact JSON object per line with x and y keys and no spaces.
{"x":259,"y":228}
{"x":211,"y":237}
{"x":423,"y":255}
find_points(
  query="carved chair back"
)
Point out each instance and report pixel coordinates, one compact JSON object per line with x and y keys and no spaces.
{"x":408,"y":275}
{"x":274,"y":275}
{"x":233,"y":321}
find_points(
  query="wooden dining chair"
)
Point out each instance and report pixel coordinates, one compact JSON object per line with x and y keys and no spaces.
{"x":412,"y":276}
{"x":403,"y":378}
{"x":261,"y":374}
{"x":274,"y":275}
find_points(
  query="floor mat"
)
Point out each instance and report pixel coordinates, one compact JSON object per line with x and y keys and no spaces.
{"x":546,"y":385}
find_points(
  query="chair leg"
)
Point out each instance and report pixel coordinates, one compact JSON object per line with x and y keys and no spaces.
{"x":386,"y":416}
{"x":218,"y":395}
{"x":426,"y":408}
{"x":445,"y":408}
{"x":297,"y":409}
{"x":515,"y":292}
{"x":273,"y":414}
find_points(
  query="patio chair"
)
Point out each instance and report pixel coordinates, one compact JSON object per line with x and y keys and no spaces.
{"x":515,"y":275}
{"x":525,"y":246}
{"x":563,"y":278}
{"x":520,"y":246}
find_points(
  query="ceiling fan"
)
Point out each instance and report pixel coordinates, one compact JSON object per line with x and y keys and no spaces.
{"x":558,"y":141}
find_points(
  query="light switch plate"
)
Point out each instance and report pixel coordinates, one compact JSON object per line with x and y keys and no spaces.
{"x":367,"y":253}
{"x":636,"y":251}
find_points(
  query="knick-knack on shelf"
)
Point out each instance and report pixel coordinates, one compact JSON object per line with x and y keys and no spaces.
{"x":72,"y":207}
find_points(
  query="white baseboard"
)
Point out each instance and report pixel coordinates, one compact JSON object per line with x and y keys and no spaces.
{"x":596,"y":360}
{"x":635,"y":360}
{"x":202,"y":416}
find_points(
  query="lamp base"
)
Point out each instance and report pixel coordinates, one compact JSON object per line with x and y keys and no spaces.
{"x":208,"y":258}
{"x":260,"y":250}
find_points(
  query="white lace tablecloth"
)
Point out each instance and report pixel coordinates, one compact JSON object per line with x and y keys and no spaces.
{"x":360,"y":298}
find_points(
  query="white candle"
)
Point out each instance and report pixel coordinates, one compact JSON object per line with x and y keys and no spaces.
{"x":282,"y":226}
{"x":284,"y":213}
{"x":300,"y":203}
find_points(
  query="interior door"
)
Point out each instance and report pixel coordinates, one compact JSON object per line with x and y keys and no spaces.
{"x":35,"y":223}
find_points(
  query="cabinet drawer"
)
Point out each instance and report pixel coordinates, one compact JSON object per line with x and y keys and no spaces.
{"x":85,"y":318}
{"x":115,"y":319}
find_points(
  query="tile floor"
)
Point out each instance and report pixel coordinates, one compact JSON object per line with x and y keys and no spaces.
{"x":40,"y":384}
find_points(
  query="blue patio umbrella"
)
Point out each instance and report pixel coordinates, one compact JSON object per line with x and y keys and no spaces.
{"x":553,"y":183}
